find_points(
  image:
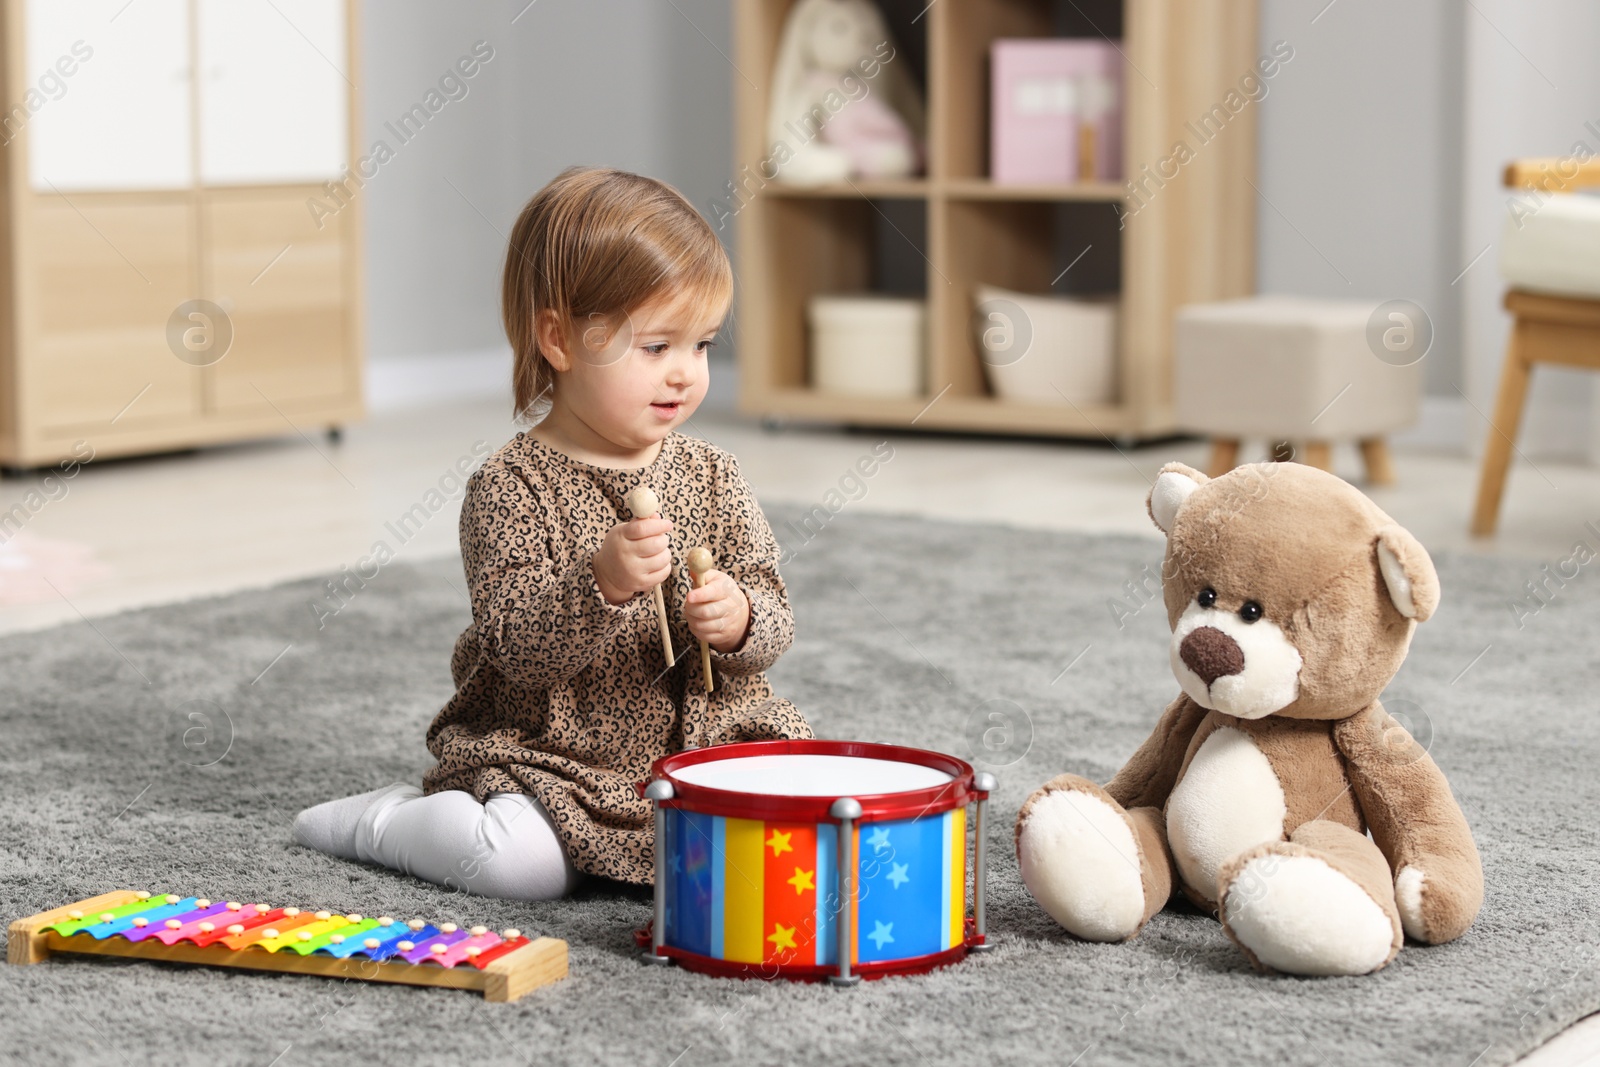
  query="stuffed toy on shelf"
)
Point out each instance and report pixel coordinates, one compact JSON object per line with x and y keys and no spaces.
{"x":843,"y":103}
{"x":1292,"y":600}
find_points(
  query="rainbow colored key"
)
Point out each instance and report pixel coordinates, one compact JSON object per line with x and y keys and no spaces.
{"x":409,"y":937}
{"x":134,"y":922}
{"x":189,"y":925}
{"x":380,"y":934}
{"x":281,"y":924}
{"x":303,"y":933}
{"x":322,"y":939}
{"x":462,"y":951}
{"x":434,"y":946}
{"x":68,"y":927}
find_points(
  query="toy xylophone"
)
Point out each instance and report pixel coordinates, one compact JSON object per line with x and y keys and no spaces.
{"x":180,"y":929}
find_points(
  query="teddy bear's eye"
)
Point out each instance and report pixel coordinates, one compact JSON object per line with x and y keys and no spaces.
{"x":1249,"y":611}
{"x":1207,"y":597}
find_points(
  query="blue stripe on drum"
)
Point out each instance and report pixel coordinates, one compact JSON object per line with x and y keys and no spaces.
{"x":671,"y":846}
{"x":718,"y":840}
{"x":902,"y":878}
{"x":692,"y":867}
{"x":827,"y":893}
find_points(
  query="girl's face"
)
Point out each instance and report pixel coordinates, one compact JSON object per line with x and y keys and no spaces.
{"x":634,"y":382}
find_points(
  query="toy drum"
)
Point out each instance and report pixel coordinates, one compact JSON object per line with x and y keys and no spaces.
{"x":815,"y":859}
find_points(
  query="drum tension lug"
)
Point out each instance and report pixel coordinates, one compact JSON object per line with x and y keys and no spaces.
{"x":656,"y":792}
{"x":845,"y":810}
{"x":985,"y":783}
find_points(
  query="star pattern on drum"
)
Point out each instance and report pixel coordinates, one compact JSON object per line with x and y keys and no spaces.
{"x":802,"y":881}
{"x":779,"y":842}
{"x":782,"y":937}
{"x":898,"y":875}
{"x":878,"y":840}
{"x":882,"y":934}
{"x":677,"y":863}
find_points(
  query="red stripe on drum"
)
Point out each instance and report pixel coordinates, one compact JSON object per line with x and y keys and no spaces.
{"x":789,"y":854}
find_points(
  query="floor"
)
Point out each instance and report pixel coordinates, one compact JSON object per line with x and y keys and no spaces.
{"x":125,"y":533}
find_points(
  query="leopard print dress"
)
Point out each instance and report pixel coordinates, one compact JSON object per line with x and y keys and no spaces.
{"x":568,"y":698}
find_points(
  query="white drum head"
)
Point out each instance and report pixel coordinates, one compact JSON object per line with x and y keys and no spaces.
{"x":811,"y":775}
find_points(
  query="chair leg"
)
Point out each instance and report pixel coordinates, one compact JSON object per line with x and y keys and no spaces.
{"x":1318,"y":454}
{"x":1502,"y":435}
{"x":1375,"y":456}
{"x":1224,"y":456}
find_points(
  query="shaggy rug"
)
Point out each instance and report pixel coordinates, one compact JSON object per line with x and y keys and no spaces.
{"x":170,"y":748}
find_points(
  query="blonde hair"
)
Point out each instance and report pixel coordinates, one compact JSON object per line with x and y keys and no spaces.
{"x":601,"y":243}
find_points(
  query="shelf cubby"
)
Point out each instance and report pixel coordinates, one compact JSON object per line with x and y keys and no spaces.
{"x":826,"y":244}
{"x":945,"y":232}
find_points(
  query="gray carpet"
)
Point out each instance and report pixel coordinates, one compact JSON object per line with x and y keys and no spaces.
{"x":910,"y":632}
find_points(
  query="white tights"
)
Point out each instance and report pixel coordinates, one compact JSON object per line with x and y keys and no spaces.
{"x":505,"y":847}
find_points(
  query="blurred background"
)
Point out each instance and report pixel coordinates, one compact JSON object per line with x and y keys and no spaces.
{"x":253,"y":251}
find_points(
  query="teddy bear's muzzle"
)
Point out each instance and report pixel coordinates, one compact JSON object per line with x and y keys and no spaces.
{"x":1211,"y":654}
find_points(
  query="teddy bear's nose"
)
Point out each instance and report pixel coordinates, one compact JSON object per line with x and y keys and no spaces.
{"x":1211,"y":654}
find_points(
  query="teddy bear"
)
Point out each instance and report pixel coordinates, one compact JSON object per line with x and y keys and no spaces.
{"x":1292,"y":600}
{"x":842,"y":103}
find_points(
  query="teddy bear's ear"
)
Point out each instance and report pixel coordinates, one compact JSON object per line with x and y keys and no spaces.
{"x":1408,"y":573}
{"x":1173,"y":486}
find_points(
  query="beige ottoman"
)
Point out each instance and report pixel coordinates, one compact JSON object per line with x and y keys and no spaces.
{"x":1292,"y":370}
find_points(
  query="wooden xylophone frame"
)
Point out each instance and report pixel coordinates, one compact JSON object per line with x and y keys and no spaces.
{"x":539,"y":962}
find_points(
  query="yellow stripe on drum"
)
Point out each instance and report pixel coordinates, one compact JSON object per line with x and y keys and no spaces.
{"x":744,"y":900}
{"x":958,"y":875}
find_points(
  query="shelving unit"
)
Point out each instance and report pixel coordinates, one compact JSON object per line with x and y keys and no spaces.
{"x":1192,"y":239}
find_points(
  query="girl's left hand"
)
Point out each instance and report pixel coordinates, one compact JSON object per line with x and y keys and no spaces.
{"x":718,"y":612}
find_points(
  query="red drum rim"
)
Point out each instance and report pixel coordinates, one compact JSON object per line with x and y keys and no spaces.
{"x":811,"y":972}
{"x":875,"y":807}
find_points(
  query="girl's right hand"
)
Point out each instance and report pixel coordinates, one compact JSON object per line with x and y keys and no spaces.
{"x":635,"y":556}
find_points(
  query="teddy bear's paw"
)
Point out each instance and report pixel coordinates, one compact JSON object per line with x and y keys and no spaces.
{"x":1299,"y":915}
{"x":1080,"y":860}
{"x":1408,"y":886}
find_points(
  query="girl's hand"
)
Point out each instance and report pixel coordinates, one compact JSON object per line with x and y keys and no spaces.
{"x":718,"y":612}
{"x":635,"y":556}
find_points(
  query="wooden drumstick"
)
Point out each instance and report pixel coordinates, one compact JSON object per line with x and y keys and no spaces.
{"x":643,"y":504}
{"x":701,"y":560}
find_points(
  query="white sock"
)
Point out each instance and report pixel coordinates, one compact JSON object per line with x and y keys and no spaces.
{"x":331,"y":827}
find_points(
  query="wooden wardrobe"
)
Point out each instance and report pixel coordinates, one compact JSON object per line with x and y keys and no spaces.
{"x":167,"y":279}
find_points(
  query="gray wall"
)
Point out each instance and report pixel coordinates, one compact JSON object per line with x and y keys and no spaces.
{"x":1532,"y":89}
{"x":1360,"y":146}
{"x":626,"y":83}
{"x":1359,"y":157}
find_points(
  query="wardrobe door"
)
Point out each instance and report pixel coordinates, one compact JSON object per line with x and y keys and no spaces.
{"x":105,"y":278}
{"x":274,"y":103}
{"x":282,"y":281}
{"x":107,"y":104}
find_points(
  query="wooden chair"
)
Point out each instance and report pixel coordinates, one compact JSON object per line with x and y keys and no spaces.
{"x":1548,"y":328}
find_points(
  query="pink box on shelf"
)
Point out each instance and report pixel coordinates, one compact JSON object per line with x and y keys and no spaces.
{"x":1055,"y":110}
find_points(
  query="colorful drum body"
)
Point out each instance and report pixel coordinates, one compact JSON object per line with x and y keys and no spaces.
{"x":750,"y":852}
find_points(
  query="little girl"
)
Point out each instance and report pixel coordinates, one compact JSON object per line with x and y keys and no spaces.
{"x":614,"y":287}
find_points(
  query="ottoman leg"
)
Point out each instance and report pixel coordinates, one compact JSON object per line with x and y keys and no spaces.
{"x":1375,"y":455}
{"x":1224,"y":456}
{"x":1319,"y":454}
